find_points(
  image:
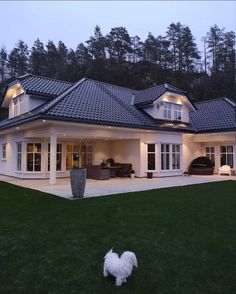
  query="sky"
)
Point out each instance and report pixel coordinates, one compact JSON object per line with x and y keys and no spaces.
{"x":73,"y":22}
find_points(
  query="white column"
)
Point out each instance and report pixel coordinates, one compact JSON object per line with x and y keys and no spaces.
{"x":53,"y":158}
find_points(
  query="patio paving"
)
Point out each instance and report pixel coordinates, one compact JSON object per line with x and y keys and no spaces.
{"x":96,"y":188}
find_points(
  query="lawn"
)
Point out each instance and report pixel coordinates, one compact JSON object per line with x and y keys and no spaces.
{"x":184,"y":239}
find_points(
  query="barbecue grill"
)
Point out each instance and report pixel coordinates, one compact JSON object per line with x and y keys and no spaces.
{"x":201,"y":166}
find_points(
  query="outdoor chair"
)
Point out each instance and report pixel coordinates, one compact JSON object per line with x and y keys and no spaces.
{"x":225,"y":169}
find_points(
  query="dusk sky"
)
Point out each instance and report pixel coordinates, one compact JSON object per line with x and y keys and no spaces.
{"x":74,"y":21}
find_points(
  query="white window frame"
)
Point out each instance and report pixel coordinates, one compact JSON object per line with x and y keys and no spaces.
{"x":227,"y":154}
{"x":172,"y":111}
{"x":33,"y":171}
{"x":155,"y":156}
{"x":171,"y":153}
{"x":177,"y":115}
{"x":165,"y":153}
{"x":4,"y":151}
{"x":19,"y":156}
{"x":175,"y":153}
{"x":210,"y":152}
{"x":167,"y":109}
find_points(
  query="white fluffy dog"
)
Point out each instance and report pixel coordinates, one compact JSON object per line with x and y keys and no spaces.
{"x":119,"y":267}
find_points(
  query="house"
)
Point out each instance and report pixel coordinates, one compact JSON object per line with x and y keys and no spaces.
{"x":158,"y":129}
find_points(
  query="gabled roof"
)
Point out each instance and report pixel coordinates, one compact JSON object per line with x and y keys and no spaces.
{"x":90,"y":101}
{"x":42,"y":86}
{"x":149,"y":95}
{"x":98,"y":102}
{"x":214,"y":115}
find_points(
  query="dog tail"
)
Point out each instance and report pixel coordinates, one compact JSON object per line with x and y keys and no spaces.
{"x":110,"y":251}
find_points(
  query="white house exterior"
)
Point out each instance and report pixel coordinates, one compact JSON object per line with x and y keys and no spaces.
{"x":157,"y":130}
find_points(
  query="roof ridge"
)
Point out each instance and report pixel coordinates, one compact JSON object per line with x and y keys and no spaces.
{"x":60,"y":97}
{"x":169,"y":85}
{"x":110,"y":84}
{"x":121,"y":102}
{"x":150,"y":88}
{"x":210,"y":100}
{"x":24,"y":76}
{"x":43,"y":77}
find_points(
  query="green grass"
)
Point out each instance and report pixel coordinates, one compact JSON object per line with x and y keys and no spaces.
{"x":184,"y":239}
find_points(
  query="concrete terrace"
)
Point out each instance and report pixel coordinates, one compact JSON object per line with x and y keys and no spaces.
{"x":95,"y":188}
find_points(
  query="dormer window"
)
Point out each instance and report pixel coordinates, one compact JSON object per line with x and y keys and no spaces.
{"x":172,"y":111}
{"x":167,"y":110}
{"x":177,"y":111}
{"x":17,"y":106}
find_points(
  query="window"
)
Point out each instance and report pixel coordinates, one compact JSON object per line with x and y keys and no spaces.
{"x":177,"y":112}
{"x":15,"y":108}
{"x":33,"y":157}
{"x":227,"y":156}
{"x":172,"y":111}
{"x":22,"y":104}
{"x":72,"y":156}
{"x":167,"y":110}
{"x":175,"y":156}
{"x":18,"y":105}
{"x":19,"y":156}
{"x":4,"y":151}
{"x":165,"y":156}
{"x":58,"y":157}
{"x":86,"y":154}
{"x":170,"y":156}
{"x":151,"y":157}
{"x":210,"y":153}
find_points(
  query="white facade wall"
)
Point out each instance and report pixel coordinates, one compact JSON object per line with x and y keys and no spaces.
{"x":34,"y":102}
{"x":191,"y":150}
{"x":8,"y":165}
{"x":127,"y":151}
{"x":102,"y":151}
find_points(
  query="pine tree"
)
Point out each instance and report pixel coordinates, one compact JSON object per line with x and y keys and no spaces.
{"x":38,"y":61}
{"x":3,"y":63}
{"x":119,"y":43}
{"x":97,"y":44}
{"x":52,"y":57}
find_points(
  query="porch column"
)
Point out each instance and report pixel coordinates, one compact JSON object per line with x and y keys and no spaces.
{"x":53,"y":158}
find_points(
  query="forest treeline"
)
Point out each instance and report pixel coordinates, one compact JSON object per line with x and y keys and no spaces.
{"x":128,"y":61}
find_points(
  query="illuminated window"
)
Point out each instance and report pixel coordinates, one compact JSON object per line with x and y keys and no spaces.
{"x":33,"y":157}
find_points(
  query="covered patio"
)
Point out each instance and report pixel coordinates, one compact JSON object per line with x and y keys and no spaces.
{"x":95,"y":188}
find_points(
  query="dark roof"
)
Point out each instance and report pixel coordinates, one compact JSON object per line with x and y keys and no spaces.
{"x":214,"y":115}
{"x":43,"y":86}
{"x":103,"y":103}
{"x":149,"y":95}
{"x":89,"y":101}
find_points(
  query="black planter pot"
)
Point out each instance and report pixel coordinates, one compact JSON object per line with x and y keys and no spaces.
{"x":149,"y":175}
{"x":77,"y":182}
